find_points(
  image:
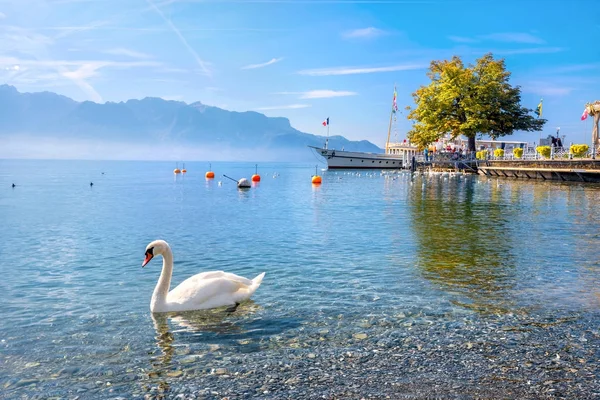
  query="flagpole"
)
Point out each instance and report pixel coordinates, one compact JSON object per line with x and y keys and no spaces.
{"x":541,"y":109}
{"x":327,"y":140}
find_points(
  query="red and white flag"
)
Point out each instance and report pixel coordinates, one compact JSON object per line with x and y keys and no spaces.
{"x":585,"y":114}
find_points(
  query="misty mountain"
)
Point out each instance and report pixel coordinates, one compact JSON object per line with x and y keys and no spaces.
{"x":155,"y":121}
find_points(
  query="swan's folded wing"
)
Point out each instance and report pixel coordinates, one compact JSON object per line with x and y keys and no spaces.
{"x":236,"y":278}
{"x":203,"y":287}
{"x":219,"y":275}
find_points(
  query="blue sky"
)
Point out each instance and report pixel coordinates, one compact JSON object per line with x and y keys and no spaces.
{"x":304,"y":60}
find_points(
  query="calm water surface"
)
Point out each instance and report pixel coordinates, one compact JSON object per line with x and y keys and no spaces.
{"x":348,"y":264}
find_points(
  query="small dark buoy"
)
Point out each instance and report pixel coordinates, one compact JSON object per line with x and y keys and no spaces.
{"x":91,"y":183}
{"x":241,"y":184}
{"x":13,"y":185}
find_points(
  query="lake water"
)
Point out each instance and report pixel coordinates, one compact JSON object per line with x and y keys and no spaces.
{"x":376,"y":284}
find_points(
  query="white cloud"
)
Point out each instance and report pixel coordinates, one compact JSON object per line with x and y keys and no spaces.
{"x":31,"y":61}
{"x":320,"y":94}
{"x":17,"y":40}
{"x":64,"y":31}
{"x":171,"y":70}
{"x":572,"y":68}
{"x":506,"y":37}
{"x":78,"y":72}
{"x":85,"y":71}
{"x":360,"y":70}
{"x":270,"y":62}
{"x":76,"y":63}
{"x":364,"y":33}
{"x":120,"y":51}
{"x":462,"y":39}
{"x":514,"y":37}
{"x":284,"y":107}
{"x":531,"y":50}
{"x":547,"y":88}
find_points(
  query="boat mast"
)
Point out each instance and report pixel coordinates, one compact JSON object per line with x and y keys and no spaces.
{"x":387,"y":143}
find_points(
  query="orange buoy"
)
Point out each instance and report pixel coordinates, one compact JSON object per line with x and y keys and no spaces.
{"x":209,"y":174}
{"x":316,"y":179}
{"x":256,"y":176}
{"x":176,"y":170}
{"x":183,"y":170}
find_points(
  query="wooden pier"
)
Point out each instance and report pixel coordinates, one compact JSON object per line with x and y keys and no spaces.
{"x":564,"y":170}
{"x":549,"y":170}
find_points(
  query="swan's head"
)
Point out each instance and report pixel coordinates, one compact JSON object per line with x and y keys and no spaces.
{"x":155,"y":248}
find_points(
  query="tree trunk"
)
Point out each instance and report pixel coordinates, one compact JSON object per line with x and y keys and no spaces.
{"x":472,"y":143}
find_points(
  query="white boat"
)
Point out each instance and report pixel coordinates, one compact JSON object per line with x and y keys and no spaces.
{"x":337,"y":159}
{"x":397,"y":155}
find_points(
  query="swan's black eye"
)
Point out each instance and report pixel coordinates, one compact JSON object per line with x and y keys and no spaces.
{"x":150,"y":251}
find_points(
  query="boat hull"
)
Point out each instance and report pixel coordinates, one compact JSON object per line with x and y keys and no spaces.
{"x":338,"y":159}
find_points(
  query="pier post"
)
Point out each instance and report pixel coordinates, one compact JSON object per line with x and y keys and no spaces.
{"x":413,"y":166}
{"x":570,"y":154}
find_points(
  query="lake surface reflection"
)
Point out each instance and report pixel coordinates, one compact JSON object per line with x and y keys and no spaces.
{"x":376,"y":284}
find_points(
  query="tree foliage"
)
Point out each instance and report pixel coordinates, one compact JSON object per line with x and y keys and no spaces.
{"x":468,"y":100}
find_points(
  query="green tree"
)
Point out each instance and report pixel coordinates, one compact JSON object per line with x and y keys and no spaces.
{"x":477,"y":99}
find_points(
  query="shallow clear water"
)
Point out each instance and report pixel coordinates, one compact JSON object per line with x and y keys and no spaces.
{"x":352,"y":263}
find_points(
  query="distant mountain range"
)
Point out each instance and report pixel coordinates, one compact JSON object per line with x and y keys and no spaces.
{"x":159,"y":124}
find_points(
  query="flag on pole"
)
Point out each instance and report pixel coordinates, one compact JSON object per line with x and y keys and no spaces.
{"x":538,"y":110}
{"x":326,"y":122}
{"x":585,"y":114}
{"x":394,"y":103}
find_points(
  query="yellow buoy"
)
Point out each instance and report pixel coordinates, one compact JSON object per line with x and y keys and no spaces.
{"x":209,"y":174}
{"x":316,"y":179}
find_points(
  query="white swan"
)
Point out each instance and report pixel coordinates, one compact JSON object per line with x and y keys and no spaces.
{"x":202,"y":291}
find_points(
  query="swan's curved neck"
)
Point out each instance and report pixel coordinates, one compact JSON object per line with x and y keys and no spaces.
{"x":159,"y":297}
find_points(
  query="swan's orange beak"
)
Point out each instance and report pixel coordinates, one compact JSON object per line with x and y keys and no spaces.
{"x":147,"y":259}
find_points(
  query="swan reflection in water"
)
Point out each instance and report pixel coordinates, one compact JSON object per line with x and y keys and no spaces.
{"x":195,"y":325}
